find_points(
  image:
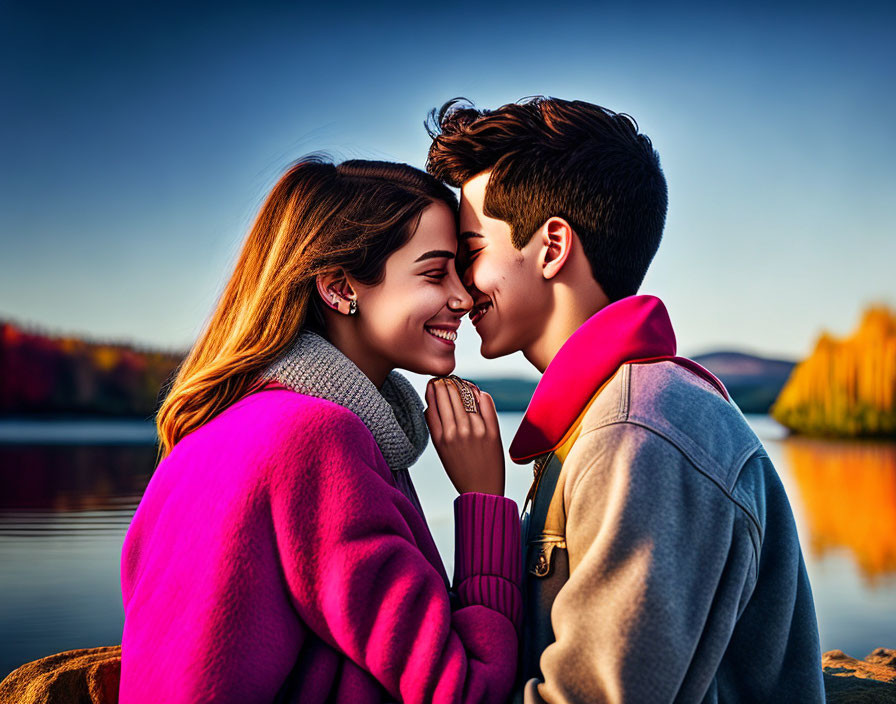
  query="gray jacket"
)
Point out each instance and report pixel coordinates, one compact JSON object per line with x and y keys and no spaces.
{"x":662,"y":560}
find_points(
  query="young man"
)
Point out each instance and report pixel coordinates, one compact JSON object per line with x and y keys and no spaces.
{"x":661,"y":556}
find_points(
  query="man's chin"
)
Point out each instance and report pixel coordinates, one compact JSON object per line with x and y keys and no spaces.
{"x":489,"y":350}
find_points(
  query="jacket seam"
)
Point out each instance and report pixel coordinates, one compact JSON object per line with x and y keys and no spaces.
{"x":742,"y":458}
{"x":690,"y":461}
{"x":721,"y":486}
{"x":625,"y":396}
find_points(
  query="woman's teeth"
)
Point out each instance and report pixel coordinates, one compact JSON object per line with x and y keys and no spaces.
{"x":449,"y":335}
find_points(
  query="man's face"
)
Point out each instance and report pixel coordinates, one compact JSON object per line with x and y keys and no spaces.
{"x":508,"y":289}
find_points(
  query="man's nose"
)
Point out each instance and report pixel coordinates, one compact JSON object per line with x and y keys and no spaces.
{"x":475,"y":293}
{"x":464,"y":299}
{"x":467,"y":278}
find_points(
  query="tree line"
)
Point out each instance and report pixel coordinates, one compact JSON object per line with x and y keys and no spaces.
{"x":57,"y":375}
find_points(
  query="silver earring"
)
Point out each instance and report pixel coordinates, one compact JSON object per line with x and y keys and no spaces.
{"x":352,"y":307}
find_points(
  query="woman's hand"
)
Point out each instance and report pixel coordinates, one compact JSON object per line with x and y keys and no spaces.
{"x":469,"y":444}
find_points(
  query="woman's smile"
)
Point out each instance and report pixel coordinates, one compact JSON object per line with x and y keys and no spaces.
{"x":444,"y":335}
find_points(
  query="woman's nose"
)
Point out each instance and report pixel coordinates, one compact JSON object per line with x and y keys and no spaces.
{"x":460,"y":299}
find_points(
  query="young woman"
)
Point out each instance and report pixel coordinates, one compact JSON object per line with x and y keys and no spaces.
{"x":280,"y":552}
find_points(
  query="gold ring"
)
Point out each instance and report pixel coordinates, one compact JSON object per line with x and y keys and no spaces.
{"x":467,"y":397}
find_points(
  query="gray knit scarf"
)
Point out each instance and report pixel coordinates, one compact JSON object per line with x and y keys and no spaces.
{"x":393,"y":414}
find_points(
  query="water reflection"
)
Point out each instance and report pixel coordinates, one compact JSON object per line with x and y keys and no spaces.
{"x":64,"y":511}
{"x":848,"y":491}
{"x":61,"y":478}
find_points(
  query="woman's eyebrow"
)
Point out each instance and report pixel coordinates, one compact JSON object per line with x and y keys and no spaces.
{"x":435,"y":254}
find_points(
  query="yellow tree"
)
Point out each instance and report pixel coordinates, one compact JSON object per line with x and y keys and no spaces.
{"x":846,"y":387}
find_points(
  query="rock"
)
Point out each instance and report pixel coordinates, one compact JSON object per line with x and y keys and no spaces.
{"x":851,"y":681}
{"x":873,"y":667}
{"x":85,"y":676}
{"x":882,"y":656}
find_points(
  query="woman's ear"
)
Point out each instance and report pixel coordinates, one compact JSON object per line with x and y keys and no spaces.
{"x":335,"y":290}
{"x":557,"y":240}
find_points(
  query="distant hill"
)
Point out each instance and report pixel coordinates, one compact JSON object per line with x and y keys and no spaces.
{"x":52,"y":375}
{"x":753,"y":382}
{"x":846,"y":387}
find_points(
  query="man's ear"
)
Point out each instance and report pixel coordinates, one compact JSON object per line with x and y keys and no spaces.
{"x":335,"y":290}
{"x":557,"y":240}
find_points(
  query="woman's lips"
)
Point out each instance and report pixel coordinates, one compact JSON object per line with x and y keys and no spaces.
{"x":443,"y":335}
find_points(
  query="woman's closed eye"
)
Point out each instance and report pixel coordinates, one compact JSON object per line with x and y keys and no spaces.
{"x":437,"y":274}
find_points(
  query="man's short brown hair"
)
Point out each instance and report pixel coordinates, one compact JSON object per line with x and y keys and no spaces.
{"x":559,"y":158}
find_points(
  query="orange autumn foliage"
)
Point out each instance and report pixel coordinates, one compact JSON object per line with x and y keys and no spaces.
{"x":43,"y":374}
{"x":846,"y":387}
{"x":848,"y":491}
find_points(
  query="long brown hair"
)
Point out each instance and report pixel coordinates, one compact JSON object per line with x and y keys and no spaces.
{"x":319,"y":217}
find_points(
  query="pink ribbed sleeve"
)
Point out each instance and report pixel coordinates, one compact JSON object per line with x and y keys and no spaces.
{"x":487,"y":562}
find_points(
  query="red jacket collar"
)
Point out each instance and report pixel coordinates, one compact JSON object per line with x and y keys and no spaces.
{"x":633,"y":329}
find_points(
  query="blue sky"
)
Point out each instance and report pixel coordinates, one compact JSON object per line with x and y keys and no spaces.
{"x":137,"y":143}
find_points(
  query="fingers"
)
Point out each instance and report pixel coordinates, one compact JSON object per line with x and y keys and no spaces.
{"x":484,"y":418}
{"x":450,"y":403}
{"x":431,"y":414}
{"x":444,"y":408}
{"x":489,"y":413}
{"x":461,"y":417}
{"x":455,"y":420}
{"x":469,"y":387}
{"x":476,"y":421}
{"x":477,"y":392}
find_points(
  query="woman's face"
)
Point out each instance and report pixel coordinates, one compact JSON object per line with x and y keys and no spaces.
{"x":410,"y":320}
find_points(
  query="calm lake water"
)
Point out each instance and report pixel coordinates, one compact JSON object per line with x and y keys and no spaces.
{"x":68,"y":492}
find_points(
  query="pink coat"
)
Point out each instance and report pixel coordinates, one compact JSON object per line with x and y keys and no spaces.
{"x":274,"y":539}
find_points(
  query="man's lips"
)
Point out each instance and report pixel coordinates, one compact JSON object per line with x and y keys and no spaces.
{"x":479,"y":311}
